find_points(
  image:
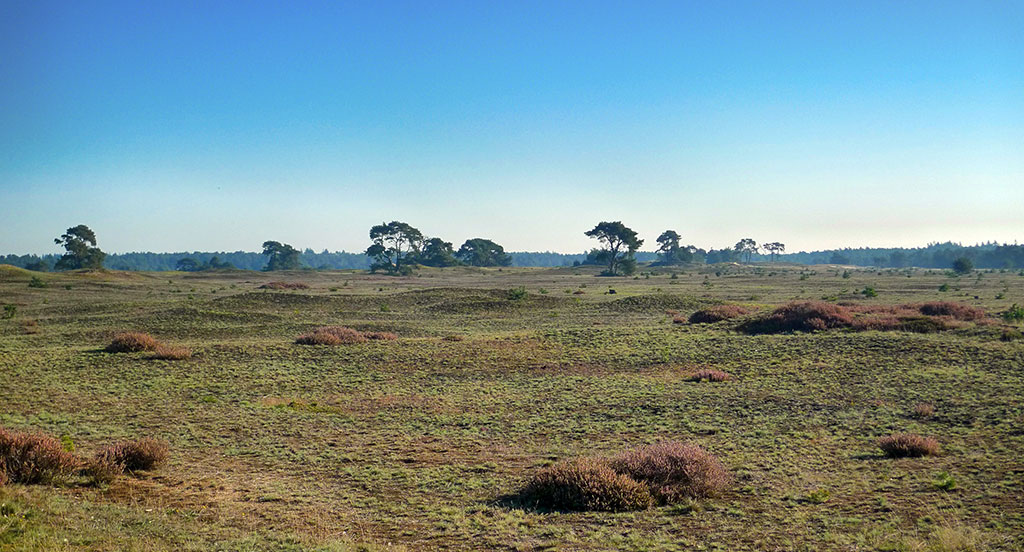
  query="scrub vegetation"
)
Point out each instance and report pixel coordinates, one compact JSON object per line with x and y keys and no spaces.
{"x":499,"y":408}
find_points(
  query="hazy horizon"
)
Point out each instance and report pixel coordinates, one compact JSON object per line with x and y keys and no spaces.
{"x":163,"y":127}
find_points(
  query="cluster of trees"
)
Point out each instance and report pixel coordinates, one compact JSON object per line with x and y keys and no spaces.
{"x":398,"y":246}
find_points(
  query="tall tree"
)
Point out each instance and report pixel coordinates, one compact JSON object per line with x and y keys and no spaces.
{"x":437,"y":252}
{"x":395,"y":245}
{"x":671,"y":251}
{"x":80,"y":243}
{"x":746,"y":246}
{"x":620,"y":242}
{"x":282,"y":256}
{"x":483,"y":252}
{"x":775,"y":248}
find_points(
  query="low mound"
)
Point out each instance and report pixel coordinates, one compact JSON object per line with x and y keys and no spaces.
{"x":583,"y":484}
{"x":142,"y":454}
{"x":673,"y":470}
{"x":34,"y":458}
{"x":717,"y":313}
{"x":132,"y":342}
{"x":284,"y":285}
{"x":170,"y":352}
{"x":800,"y":317}
{"x":903,"y":445}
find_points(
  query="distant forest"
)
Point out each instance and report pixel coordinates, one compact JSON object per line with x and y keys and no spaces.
{"x":936,"y":255}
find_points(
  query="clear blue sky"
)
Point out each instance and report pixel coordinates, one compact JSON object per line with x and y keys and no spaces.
{"x":169,"y":126}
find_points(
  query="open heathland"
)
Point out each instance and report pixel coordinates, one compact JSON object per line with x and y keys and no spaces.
{"x":368,"y":412}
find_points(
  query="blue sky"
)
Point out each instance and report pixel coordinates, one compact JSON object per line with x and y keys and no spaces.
{"x":170,"y":126}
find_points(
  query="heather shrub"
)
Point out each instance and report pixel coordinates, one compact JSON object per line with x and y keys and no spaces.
{"x":141,"y":454}
{"x":924,"y":410}
{"x":331,"y":335}
{"x":3,"y":473}
{"x":717,"y":313}
{"x":34,"y":458}
{"x":585,"y":484}
{"x":800,"y":317}
{"x":678,"y":320}
{"x":710,"y":374}
{"x":902,"y":445}
{"x":673,"y":470}
{"x":957,"y":311}
{"x":381,"y":336}
{"x":132,"y":342}
{"x":102,"y":470}
{"x":168,"y":352}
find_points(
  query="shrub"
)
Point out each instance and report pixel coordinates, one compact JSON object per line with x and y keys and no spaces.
{"x":1013,"y":314}
{"x":709,"y":374}
{"x":36,"y":282}
{"x":902,"y":445}
{"x":717,"y":313}
{"x":453,"y":337}
{"x":132,"y":342}
{"x":924,"y":410}
{"x":11,"y":310}
{"x":673,"y":470}
{"x":678,"y":320}
{"x":516,"y":294}
{"x":800,"y":316}
{"x":333,"y":335}
{"x":34,"y":458}
{"x":957,"y":311}
{"x":141,"y":454}
{"x":380,"y":336}
{"x":168,"y":352}
{"x":102,"y":470}
{"x":586,"y":484}
{"x":1010,"y":334}
{"x":3,"y":473}
{"x":284,"y":285}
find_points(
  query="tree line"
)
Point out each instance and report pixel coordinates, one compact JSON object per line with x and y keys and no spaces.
{"x":397,"y":247}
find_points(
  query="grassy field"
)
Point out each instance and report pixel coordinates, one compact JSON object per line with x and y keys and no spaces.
{"x":412,"y":444}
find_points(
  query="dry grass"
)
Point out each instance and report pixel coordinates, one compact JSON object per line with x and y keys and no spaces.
{"x":284,"y":285}
{"x":583,"y":484}
{"x":132,"y":342}
{"x":34,"y":458}
{"x":170,"y":352}
{"x":142,"y":454}
{"x":717,"y":313}
{"x":673,"y":470}
{"x":102,"y":469}
{"x":904,"y":445}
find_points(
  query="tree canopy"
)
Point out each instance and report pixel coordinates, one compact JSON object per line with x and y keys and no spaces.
{"x":620,"y":242}
{"x":746,"y":246}
{"x":671,"y":252}
{"x":282,"y":256}
{"x":396,"y":245}
{"x":775,"y":248}
{"x":437,"y":252}
{"x":79,"y":242}
{"x":483,"y":252}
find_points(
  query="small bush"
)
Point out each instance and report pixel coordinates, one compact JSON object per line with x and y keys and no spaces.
{"x":102,"y":470}
{"x":142,"y":454}
{"x":957,"y":311}
{"x":3,"y":473}
{"x":673,"y":470}
{"x":903,"y":445}
{"x":132,"y":342}
{"x":10,"y":311}
{"x":515,"y":294}
{"x":709,"y":374}
{"x":584,"y":484}
{"x":717,"y":313}
{"x":380,"y":336}
{"x":168,"y":352}
{"x":678,"y":320}
{"x":284,"y":285}
{"x":36,"y":282}
{"x":34,"y":458}
{"x":924,"y":410}
{"x":1013,"y":314}
{"x":800,"y":317}
{"x":333,"y":335}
